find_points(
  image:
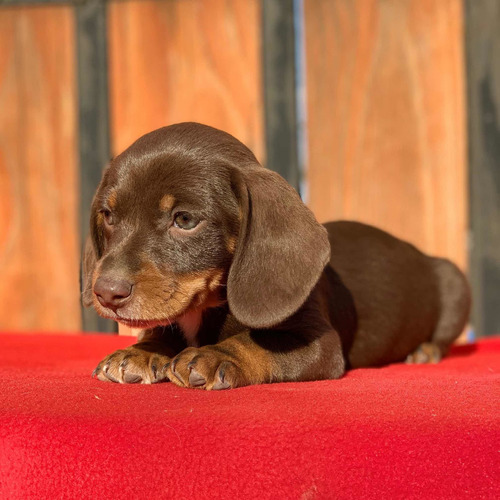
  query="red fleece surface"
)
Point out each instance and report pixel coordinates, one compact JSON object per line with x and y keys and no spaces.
{"x":394,"y":432}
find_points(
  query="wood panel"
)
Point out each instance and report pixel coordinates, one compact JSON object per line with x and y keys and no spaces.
{"x":39,"y":251}
{"x":483,"y":76}
{"x":385,"y":94}
{"x":93,"y":121}
{"x":185,"y":60}
{"x":279,"y":39}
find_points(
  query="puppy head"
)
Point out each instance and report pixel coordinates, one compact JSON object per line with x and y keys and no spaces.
{"x":186,"y":219}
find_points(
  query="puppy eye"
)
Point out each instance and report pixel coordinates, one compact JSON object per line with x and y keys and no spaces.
{"x":185,"y":220}
{"x":108,"y":216}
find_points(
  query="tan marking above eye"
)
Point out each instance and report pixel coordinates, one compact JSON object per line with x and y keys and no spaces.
{"x":112,"y":199}
{"x":167,"y":203}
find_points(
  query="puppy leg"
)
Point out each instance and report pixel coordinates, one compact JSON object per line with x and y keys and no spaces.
{"x":425,"y":353}
{"x":142,"y":363}
{"x":259,"y":358}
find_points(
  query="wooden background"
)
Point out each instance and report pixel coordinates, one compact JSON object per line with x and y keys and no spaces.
{"x":180,"y":61}
{"x":386,"y":118}
{"x":483,"y":82}
{"x":39,"y":242}
{"x":385,"y":111}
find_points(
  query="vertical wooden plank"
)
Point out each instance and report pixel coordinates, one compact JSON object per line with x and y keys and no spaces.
{"x":93,"y":114}
{"x":39,"y":243}
{"x":387,"y":141}
{"x":278,"y":57}
{"x":185,"y":60}
{"x":483,"y":77}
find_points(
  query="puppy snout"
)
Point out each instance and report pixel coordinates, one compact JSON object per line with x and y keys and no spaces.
{"x":112,"y":293}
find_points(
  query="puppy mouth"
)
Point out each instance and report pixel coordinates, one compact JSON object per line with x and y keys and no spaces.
{"x":141,"y":323}
{"x":108,"y":313}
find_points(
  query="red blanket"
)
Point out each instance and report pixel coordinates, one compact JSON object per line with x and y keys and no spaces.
{"x":394,"y":432}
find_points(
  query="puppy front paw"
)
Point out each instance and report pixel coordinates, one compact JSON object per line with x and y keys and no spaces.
{"x":206,"y":368}
{"x":133,"y":365}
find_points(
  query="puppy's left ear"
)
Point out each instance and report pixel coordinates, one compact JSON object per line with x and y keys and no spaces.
{"x":88,"y":266}
{"x":92,"y":252}
{"x":281,"y":251}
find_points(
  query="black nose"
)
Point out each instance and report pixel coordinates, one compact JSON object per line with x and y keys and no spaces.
{"x":112,"y":292}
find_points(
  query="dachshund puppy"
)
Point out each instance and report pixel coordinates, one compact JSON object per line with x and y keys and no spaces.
{"x":233,"y":282}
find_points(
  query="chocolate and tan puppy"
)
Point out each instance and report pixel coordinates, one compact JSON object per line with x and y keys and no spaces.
{"x":233,"y":282}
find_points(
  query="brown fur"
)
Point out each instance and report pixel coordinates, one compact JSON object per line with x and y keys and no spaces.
{"x":254,"y":290}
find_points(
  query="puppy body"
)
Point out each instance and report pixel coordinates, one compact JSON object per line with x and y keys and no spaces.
{"x":233,"y":282}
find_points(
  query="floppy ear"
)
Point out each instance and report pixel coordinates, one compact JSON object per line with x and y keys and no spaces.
{"x":88,"y":265}
{"x":281,"y":251}
{"x":91,"y":254}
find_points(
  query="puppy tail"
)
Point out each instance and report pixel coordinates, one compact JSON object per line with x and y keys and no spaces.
{"x":455,"y":298}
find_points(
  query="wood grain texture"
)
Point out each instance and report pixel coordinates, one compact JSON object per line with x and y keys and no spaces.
{"x":483,"y":76}
{"x":39,"y":250}
{"x":185,"y":60}
{"x":279,"y":86}
{"x":387,"y":142}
